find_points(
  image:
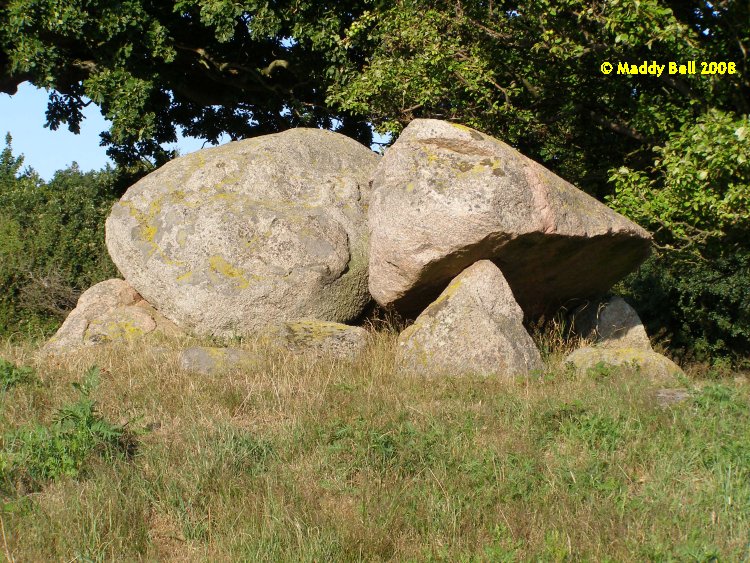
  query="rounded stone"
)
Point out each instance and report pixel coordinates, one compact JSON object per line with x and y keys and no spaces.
{"x":231,"y":239}
{"x":475,"y":326}
{"x":650,"y":364}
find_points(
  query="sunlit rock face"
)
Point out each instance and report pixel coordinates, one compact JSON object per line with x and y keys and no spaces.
{"x":231,"y":239}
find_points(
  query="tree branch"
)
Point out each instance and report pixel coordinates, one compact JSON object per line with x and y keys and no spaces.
{"x":619,"y":127}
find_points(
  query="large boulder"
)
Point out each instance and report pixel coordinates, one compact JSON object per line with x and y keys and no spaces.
{"x":231,"y":239}
{"x":107,"y":313}
{"x":474,"y":327}
{"x":445,"y":196}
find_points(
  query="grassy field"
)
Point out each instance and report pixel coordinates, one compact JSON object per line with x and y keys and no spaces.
{"x":302,"y":460}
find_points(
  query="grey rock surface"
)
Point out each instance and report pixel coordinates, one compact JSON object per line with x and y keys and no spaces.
{"x":321,"y":338}
{"x":231,"y":239}
{"x":666,"y":397}
{"x":473,"y":327}
{"x":649,"y":363}
{"x":211,"y":361}
{"x":445,"y":196}
{"x":612,"y":323}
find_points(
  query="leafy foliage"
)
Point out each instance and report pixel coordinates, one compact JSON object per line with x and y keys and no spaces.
{"x":11,"y":375}
{"x":37,"y":454}
{"x":696,"y":199}
{"x":51,"y":241}
{"x":698,"y":308}
{"x":696,"y":196}
{"x":206,"y":66}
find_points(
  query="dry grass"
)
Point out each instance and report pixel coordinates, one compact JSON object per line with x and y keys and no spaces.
{"x":298,"y":459}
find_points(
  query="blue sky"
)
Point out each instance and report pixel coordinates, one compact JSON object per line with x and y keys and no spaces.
{"x":47,"y":151}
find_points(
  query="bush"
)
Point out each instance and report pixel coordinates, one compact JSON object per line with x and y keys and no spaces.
{"x":696,"y":200}
{"x":700,"y":309}
{"x":51,"y":241}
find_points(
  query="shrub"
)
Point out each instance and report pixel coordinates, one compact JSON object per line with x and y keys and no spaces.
{"x":700,"y":309}
{"x":696,"y":201}
{"x":51,"y":241}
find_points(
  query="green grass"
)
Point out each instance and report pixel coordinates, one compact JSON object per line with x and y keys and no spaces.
{"x":303,"y":460}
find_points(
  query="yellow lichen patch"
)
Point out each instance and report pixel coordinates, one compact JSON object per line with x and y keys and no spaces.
{"x":433,"y":308}
{"x":462,"y":127}
{"x":154,"y":208}
{"x":220,"y":266}
{"x":226,"y":196}
{"x":113,"y":331}
{"x":185,"y":277}
{"x":148,"y":232}
{"x":148,"y":229}
{"x":476,"y":135}
{"x":176,"y":196}
{"x":166,"y":259}
{"x":410,"y":187}
{"x":314,"y":329}
{"x":447,"y":293}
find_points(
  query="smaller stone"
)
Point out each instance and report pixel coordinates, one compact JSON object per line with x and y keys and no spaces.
{"x":105,"y":296}
{"x":666,"y":397}
{"x":612,"y":323}
{"x":108,"y":312}
{"x":321,"y":338}
{"x":210,"y":361}
{"x":654,"y":366}
{"x":475,"y":326}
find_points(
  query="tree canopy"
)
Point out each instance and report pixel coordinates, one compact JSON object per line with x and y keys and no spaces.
{"x":526,"y":71}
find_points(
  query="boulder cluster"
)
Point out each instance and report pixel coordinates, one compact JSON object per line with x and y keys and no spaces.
{"x":293,"y":235}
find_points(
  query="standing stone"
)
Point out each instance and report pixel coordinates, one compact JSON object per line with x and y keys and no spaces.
{"x":231,"y":239}
{"x":612,"y":323}
{"x":445,"y":196}
{"x":473,"y":327}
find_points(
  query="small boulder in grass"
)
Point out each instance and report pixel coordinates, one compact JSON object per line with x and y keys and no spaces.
{"x":475,"y":326}
{"x":320,"y":338}
{"x":109,"y":312}
{"x":652,"y":365}
{"x":212,"y":361}
{"x":612,"y":323}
